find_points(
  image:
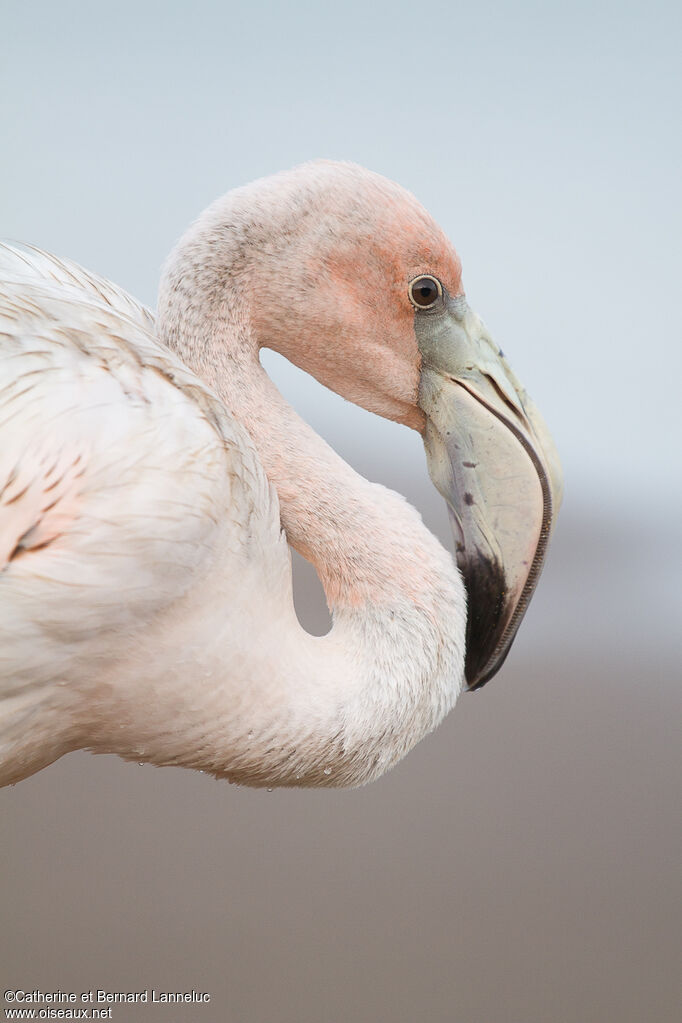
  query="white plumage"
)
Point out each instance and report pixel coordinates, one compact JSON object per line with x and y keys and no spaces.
{"x":117,"y":467}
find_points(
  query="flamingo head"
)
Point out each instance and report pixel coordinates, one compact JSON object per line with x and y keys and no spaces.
{"x":345,"y":274}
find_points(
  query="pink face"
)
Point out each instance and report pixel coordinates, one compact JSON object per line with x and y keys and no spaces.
{"x":334,"y":298}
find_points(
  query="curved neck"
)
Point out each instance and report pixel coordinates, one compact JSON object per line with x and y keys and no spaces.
{"x":391,"y":667}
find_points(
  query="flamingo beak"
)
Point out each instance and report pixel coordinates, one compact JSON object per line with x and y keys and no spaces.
{"x":491,"y":457}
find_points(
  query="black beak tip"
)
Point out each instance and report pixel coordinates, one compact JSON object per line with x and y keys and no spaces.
{"x":473,"y":683}
{"x":487,"y":616}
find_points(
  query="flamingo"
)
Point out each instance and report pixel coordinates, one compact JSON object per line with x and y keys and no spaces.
{"x":152,"y":479}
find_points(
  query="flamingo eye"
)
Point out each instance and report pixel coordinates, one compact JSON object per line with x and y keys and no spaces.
{"x":424,"y":291}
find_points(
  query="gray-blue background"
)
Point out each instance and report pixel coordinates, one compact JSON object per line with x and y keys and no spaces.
{"x":522,"y":864}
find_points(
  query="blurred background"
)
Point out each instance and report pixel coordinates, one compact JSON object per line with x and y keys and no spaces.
{"x":522,"y":865}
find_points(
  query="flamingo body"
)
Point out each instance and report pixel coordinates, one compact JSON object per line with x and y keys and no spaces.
{"x":121,"y":479}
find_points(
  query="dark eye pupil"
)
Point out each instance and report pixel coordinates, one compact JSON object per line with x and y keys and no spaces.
{"x":424,"y":291}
